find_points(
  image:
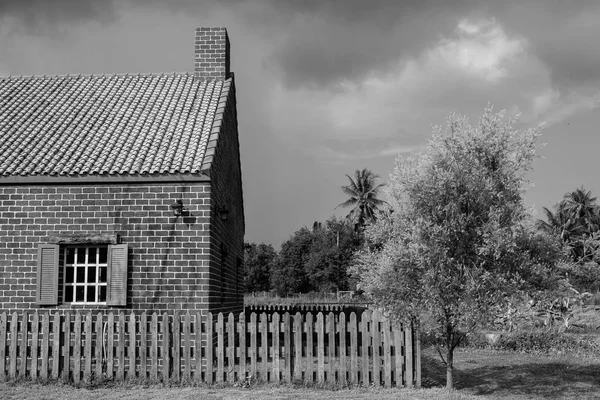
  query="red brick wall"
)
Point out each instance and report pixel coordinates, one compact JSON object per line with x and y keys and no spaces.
{"x":211,"y":54}
{"x":226,"y":276}
{"x":168,"y":256}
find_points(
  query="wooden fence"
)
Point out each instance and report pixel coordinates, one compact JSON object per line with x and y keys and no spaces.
{"x":233,"y":348}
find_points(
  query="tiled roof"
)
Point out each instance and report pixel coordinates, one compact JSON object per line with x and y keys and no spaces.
{"x":106,"y":124}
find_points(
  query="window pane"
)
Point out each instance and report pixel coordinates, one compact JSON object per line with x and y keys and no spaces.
{"x":68,"y":294}
{"x":91,"y":274}
{"x":81,"y":255}
{"x":80,"y":275}
{"x":91,"y":294}
{"x":102,"y":293}
{"x":92,"y":255}
{"x":79,"y":293}
{"x":103,"y":255}
{"x":69,"y":274}
{"x":70,"y":255}
{"x":102,"y":275}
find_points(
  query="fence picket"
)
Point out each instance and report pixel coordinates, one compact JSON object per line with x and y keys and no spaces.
{"x":154,"y":348}
{"x":276,"y":348}
{"x":45,"y":343}
{"x":87,"y":374}
{"x":35,"y":327}
{"x":220,"y":348}
{"x":353,"y":349}
{"x":3,"y":346}
{"x":243,"y":349}
{"x":143,"y":346}
{"x":100,"y":345}
{"x":320,"y":348}
{"x":298,"y":346}
{"x":376,"y":329}
{"x":166,"y":354}
{"x":56,"y":335}
{"x":12,"y":369}
{"x":198,"y":348}
{"x":366,"y":338}
{"x":176,"y":356}
{"x":187,"y":348}
{"x":66,"y":372}
{"x":23,"y":346}
{"x":78,"y":346}
{"x":287,"y":352}
{"x":231,"y":348}
{"x":387,"y":353}
{"x":409,"y":355}
{"x":331,"y":348}
{"x":309,"y":376}
{"x":343,"y":361}
{"x":253,"y":344}
{"x":209,"y":348}
{"x":77,"y":349}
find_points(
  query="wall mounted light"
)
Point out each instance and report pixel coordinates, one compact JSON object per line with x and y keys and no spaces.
{"x":222,"y":212}
{"x":177,"y":207}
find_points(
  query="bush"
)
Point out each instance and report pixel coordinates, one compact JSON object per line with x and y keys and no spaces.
{"x":538,"y":342}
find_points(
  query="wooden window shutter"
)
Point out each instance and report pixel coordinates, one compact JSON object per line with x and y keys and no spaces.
{"x":117,"y":275}
{"x":47,"y":274}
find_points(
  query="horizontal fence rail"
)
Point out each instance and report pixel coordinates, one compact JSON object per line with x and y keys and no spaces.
{"x":188,"y":348}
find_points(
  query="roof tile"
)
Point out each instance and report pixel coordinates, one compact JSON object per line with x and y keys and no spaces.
{"x":107,"y":124}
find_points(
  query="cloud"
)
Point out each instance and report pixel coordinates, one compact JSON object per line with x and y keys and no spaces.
{"x":37,"y":17}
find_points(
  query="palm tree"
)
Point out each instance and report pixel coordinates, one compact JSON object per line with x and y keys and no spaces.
{"x":581,"y":207}
{"x":363,"y":192}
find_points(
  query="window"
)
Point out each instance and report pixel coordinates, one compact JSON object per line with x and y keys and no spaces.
{"x":85,"y":274}
{"x":95,"y":274}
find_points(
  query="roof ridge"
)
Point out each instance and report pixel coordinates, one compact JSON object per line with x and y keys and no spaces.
{"x":95,"y":75}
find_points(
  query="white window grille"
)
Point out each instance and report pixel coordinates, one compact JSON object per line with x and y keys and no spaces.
{"x":85,"y":274}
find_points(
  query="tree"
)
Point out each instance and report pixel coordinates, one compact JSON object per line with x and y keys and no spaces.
{"x":459,"y":243}
{"x":259,"y":260}
{"x":289,"y":275}
{"x":363,"y":192}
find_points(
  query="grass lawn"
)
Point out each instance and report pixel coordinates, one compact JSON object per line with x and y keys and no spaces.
{"x":479,"y":374}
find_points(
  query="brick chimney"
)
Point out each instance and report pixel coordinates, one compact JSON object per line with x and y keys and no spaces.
{"x":211,"y":58}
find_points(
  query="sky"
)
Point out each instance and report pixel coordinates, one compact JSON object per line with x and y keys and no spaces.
{"x":325,"y":87}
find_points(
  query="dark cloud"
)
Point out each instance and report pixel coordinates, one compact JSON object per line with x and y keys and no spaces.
{"x":43,"y":16}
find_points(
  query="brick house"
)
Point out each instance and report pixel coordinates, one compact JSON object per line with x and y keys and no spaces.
{"x":123,"y":191}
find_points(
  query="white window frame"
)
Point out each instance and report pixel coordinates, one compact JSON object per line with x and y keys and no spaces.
{"x":85,"y":265}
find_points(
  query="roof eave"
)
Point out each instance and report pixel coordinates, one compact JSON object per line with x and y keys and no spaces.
{"x":11,"y":180}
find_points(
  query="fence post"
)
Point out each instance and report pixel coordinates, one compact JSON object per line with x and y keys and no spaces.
{"x":176,"y":373}
{"x":253,"y":345}
{"x":408,"y":345}
{"x":198,"y":348}
{"x":220,"y":348}
{"x":353,"y":349}
{"x":287,"y":333}
{"x":66,"y":372}
{"x":387,"y":352}
{"x":343,"y":359}
{"x":376,"y":335}
{"x":264,"y":347}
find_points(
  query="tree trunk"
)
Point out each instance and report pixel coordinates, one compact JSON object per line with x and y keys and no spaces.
{"x":450,"y":368}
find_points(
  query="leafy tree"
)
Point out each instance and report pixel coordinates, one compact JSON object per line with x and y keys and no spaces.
{"x":317,"y":259}
{"x":259,"y":260}
{"x":363,"y":191}
{"x":289,"y":276}
{"x":458,"y":244}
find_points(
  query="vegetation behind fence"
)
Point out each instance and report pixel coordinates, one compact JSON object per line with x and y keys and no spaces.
{"x":273,"y":347}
